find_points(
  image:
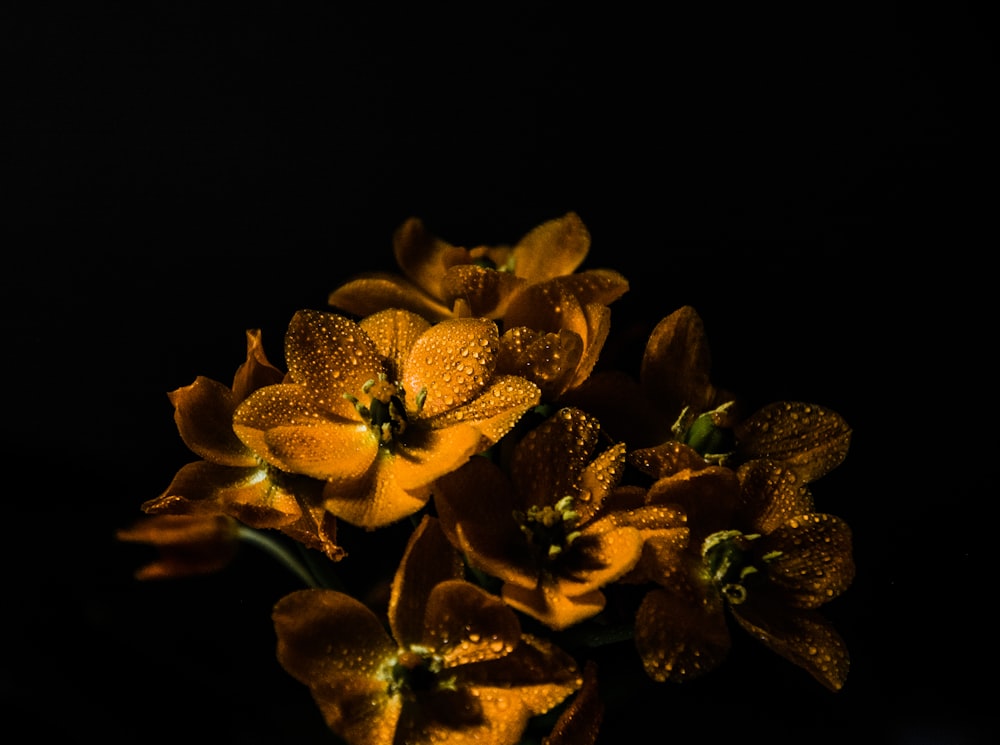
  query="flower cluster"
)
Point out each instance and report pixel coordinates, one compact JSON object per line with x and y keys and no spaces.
{"x":541,"y":494}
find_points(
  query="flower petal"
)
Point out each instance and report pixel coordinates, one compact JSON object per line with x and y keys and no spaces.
{"x":676,"y":364}
{"x":370,"y":293}
{"x":548,"y":604}
{"x":337,"y":646}
{"x":814,"y":562}
{"x":257,"y":371}
{"x":428,"y":560}
{"x":599,"y":556}
{"x":376,"y":499}
{"x":330,"y":355}
{"x":495,"y":411}
{"x":580,"y":722}
{"x":466,"y":624}
{"x":484,"y":292}
{"x":554,"y":248}
{"x":680,"y":634}
{"x":810,"y":439}
{"x":804,"y":638}
{"x":453,"y":361}
{"x":394,"y":333}
{"x":547,"y":462}
{"x":771,"y":494}
{"x":203,"y":412}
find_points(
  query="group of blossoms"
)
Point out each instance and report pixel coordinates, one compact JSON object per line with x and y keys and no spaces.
{"x":462,"y":396}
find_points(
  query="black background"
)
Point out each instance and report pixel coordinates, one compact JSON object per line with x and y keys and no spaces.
{"x":813,"y":178}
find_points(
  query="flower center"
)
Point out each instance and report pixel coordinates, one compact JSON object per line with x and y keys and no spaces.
{"x":385,"y":412}
{"x":732,"y":564}
{"x":418,"y":670}
{"x":550,"y":529}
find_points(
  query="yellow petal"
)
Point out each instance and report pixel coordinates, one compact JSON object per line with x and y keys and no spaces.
{"x":466,"y":624}
{"x":394,"y":333}
{"x":495,"y":411}
{"x":552,"y":249}
{"x":338,"y":648}
{"x":374,"y":292}
{"x":330,"y":355}
{"x":377,"y":499}
{"x":203,"y":412}
{"x":556,"y":610}
{"x":814,"y":562}
{"x":453,"y":361}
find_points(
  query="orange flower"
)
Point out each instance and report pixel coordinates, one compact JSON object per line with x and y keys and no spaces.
{"x":231,"y":479}
{"x":673,"y":383}
{"x":775,"y":565}
{"x":188,"y":544}
{"x":550,"y":530}
{"x":444,"y":281}
{"x":457,"y":667}
{"x":380,"y":409}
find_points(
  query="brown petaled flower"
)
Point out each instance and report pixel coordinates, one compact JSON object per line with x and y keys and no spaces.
{"x":456,"y":668}
{"x":381,"y":408}
{"x":444,"y":281}
{"x":550,"y":530}
{"x":188,"y":544}
{"x":231,"y":479}
{"x":775,"y":565}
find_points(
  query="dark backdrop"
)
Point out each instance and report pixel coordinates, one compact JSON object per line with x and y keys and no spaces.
{"x":809,"y":178}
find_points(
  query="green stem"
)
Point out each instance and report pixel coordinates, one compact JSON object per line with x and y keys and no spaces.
{"x":279,"y":552}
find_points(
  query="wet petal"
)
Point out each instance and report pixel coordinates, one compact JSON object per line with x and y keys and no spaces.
{"x":495,"y":411}
{"x":676,"y":364}
{"x":536,"y":674}
{"x":810,"y":439}
{"x":680,"y":634}
{"x":453,"y":361}
{"x":599,"y":556}
{"x":548,"y":460}
{"x":465,"y":624}
{"x":338,"y":648}
{"x":666,"y":459}
{"x":709,"y":497}
{"x":547,"y":359}
{"x":330,"y":355}
{"x":371,"y":293}
{"x":814,"y":562}
{"x":428,"y":560}
{"x":394,"y":333}
{"x":377,"y":498}
{"x":432,"y":453}
{"x":554,"y":248}
{"x":598,"y":479}
{"x":485,"y":292}
{"x":804,"y":638}
{"x":580,"y":722}
{"x":203,"y":412}
{"x":771,"y":494}
{"x":284,"y":425}
{"x":424,"y":257}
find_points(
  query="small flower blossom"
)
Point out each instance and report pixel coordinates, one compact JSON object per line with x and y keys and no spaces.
{"x":549,"y":530}
{"x":380,"y":409}
{"x":777,"y":563}
{"x":442,"y":281}
{"x":455,"y":665}
{"x":188,"y":544}
{"x":230,"y":479}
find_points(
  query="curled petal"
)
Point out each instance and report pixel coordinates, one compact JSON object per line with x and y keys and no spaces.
{"x":188,"y":545}
{"x":203,"y":412}
{"x":257,"y":371}
{"x":680,"y":634}
{"x":666,"y":459}
{"x":598,"y":479}
{"x":709,"y":497}
{"x":338,"y":648}
{"x":599,"y":556}
{"x":547,"y":359}
{"x":424,"y":257}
